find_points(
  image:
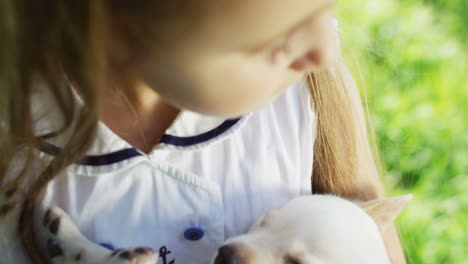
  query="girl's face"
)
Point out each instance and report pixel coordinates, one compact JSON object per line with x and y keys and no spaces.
{"x":242,"y":54}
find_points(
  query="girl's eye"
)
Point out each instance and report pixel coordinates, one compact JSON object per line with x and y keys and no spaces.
{"x":283,"y":47}
{"x":279,"y":49}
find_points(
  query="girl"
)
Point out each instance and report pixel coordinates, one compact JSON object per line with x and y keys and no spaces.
{"x":174,"y":124}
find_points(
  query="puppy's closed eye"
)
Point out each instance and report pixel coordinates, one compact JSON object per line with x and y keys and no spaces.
{"x":262,"y":223}
{"x":264,"y":220}
{"x":291,"y":260}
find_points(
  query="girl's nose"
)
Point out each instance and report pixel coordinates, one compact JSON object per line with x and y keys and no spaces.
{"x":320,"y":46}
{"x":311,"y":59}
{"x":316,"y":58}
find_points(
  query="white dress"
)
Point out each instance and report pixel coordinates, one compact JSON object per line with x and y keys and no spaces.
{"x":207,"y":180}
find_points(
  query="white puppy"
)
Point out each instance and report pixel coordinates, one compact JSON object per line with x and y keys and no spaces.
{"x":317,"y":229}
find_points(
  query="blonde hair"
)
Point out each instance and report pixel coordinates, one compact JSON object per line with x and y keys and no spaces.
{"x":70,"y":36}
{"x":344,"y":160}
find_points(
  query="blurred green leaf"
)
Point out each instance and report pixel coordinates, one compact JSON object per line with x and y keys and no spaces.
{"x":413,"y":57}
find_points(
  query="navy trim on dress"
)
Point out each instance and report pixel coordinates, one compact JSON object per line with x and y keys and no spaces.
{"x":192,"y":140}
{"x":110,"y":158}
{"x":128,"y":153}
{"x":95,"y":160}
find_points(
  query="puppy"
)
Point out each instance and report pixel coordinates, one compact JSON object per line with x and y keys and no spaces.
{"x":308,"y":230}
{"x":317,"y":229}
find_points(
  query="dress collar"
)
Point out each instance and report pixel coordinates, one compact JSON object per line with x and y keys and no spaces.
{"x":189,"y":132}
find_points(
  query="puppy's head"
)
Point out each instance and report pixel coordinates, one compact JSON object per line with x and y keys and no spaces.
{"x":317,"y":229}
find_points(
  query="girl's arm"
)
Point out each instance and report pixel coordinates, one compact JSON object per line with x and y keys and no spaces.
{"x":368,"y":180}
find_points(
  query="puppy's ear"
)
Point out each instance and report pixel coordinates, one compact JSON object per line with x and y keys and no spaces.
{"x":384,"y":211}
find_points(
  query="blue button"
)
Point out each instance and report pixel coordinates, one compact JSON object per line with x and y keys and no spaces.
{"x":108,"y":246}
{"x":194,"y":234}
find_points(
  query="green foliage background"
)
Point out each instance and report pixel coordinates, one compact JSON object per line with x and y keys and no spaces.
{"x":413,"y":57}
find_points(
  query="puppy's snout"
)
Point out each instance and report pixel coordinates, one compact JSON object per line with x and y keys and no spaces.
{"x":231,"y":254}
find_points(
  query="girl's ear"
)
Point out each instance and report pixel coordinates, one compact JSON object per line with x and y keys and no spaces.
{"x":384,"y":211}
